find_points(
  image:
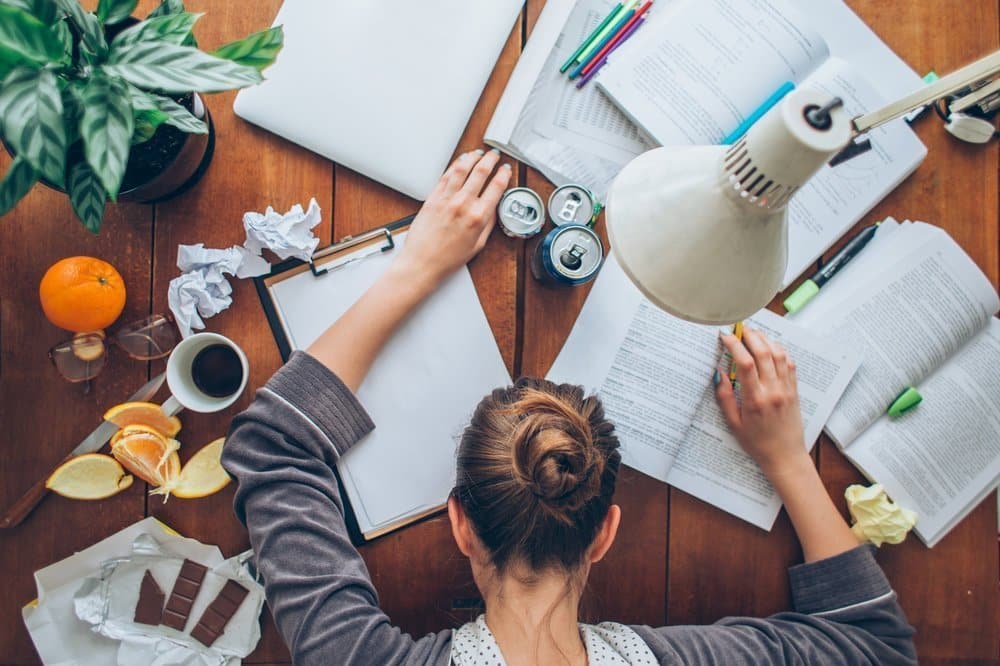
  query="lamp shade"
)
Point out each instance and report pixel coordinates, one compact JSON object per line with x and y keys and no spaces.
{"x":702,"y":230}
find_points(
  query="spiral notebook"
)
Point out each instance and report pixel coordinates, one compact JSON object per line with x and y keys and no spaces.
{"x":420,"y":392}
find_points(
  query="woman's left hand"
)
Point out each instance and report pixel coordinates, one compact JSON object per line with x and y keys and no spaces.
{"x":456,"y":220}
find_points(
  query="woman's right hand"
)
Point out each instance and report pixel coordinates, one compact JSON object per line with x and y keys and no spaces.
{"x":766,"y":420}
{"x":456,"y":220}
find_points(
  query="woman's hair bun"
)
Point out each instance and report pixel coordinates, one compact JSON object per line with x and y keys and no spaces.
{"x":554,"y":453}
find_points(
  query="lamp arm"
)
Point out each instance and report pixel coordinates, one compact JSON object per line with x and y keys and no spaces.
{"x":983,"y":69}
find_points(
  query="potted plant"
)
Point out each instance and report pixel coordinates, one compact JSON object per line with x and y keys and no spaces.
{"x":105,"y":106}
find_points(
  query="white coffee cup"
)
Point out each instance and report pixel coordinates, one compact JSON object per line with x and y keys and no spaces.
{"x":180,"y":380}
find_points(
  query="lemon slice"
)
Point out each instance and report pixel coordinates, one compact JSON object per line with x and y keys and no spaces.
{"x":143,"y":414}
{"x":203,"y":474}
{"x":91,"y":476}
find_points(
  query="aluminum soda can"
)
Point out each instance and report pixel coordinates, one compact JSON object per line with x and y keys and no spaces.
{"x":570,"y":254}
{"x":521,"y":213}
{"x":572,"y":204}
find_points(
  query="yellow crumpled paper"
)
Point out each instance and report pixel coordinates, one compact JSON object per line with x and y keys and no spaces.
{"x":876,"y":518}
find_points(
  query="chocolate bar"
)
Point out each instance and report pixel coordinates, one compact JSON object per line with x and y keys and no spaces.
{"x":182,"y":597}
{"x":213,"y":621}
{"x":149,"y":608}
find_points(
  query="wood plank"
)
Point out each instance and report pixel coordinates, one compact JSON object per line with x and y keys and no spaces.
{"x":43,"y":415}
{"x":949,"y":592}
{"x":434,"y":600}
{"x":251,"y":170}
{"x":641,"y":546}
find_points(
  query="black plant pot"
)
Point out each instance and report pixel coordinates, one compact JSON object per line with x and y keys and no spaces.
{"x":171,"y":162}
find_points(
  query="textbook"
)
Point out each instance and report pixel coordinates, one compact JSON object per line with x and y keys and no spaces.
{"x":921,"y":314}
{"x":691,"y":75}
{"x":653,"y":373}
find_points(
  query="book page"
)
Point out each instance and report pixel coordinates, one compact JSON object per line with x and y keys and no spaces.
{"x":685,"y":79}
{"x":827,"y":206}
{"x":413,"y":386}
{"x":909,"y":319}
{"x":712,"y":465}
{"x":943,"y":456}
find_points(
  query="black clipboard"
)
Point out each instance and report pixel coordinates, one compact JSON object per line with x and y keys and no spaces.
{"x":320,"y":266}
{"x":323,"y":265}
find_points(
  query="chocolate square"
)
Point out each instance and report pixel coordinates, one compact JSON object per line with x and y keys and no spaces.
{"x":213,"y":621}
{"x":149,"y":607}
{"x":182,"y":596}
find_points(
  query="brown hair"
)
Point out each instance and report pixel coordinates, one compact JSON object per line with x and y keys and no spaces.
{"x":536,"y":473}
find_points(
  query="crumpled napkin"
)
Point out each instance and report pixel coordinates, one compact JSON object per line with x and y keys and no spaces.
{"x":203,"y":290}
{"x":107,"y":603}
{"x":876,"y":518}
{"x":288,"y":235}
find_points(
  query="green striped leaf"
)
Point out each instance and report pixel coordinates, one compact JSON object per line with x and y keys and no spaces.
{"x":16,"y":183}
{"x":87,"y":196}
{"x":167,"y":7}
{"x":106,"y":129}
{"x":31,"y":110}
{"x":27,"y":35}
{"x":173,"y":28}
{"x":88,"y":25}
{"x":145,"y":125}
{"x":43,"y":10}
{"x":72,"y":110}
{"x":110,"y":12}
{"x":178,"y":69}
{"x":176,"y":114}
{"x":65,"y":36}
{"x":257,"y":50}
{"x":11,"y":60}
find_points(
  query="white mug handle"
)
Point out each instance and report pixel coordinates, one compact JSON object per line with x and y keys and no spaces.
{"x":171,"y":406}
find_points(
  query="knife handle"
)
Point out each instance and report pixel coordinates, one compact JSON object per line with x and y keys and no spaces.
{"x":32,"y":497}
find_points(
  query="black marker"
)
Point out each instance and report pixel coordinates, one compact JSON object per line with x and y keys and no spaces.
{"x":811,"y":287}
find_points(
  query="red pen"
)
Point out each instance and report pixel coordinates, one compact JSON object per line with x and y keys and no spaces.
{"x":617,"y":38}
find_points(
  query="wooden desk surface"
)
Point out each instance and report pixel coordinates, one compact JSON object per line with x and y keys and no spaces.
{"x":677,"y":560}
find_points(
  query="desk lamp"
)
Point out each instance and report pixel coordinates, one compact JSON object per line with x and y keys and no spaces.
{"x":702,"y":230}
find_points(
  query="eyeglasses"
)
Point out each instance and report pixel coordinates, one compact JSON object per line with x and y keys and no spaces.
{"x":83,"y":357}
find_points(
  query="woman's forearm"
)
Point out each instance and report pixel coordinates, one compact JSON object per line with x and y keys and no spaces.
{"x":820,"y":528}
{"x":350,"y":346}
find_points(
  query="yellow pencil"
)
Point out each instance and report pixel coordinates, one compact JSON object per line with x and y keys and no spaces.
{"x":738,"y":332}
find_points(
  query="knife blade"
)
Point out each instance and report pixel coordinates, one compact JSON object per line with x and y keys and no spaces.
{"x":92,"y":442}
{"x":103,"y":432}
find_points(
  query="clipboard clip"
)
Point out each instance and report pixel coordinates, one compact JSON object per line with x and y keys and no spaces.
{"x":349,"y":242}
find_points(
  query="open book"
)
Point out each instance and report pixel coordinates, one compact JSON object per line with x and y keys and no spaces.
{"x":920,"y":313}
{"x":580,"y":136}
{"x":653,"y":373}
{"x":698,"y":70}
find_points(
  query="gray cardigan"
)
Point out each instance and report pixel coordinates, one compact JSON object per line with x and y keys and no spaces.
{"x":282,"y":450}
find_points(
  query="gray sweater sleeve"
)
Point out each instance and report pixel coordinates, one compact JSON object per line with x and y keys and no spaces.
{"x":281,"y":451}
{"x":845,"y":613}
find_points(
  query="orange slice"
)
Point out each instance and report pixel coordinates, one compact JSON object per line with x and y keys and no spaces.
{"x":91,"y":476}
{"x":143,"y":413}
{"x":202,"y":475}
{"x":147,"y":454}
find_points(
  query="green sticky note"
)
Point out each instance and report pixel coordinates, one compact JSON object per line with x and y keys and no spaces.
{"x":906,"y":401}
{"x":801,"y":296}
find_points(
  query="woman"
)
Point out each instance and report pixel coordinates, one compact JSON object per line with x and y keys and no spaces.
{"x":532,"y":508}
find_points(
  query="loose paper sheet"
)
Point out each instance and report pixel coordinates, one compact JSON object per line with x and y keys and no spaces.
{"x":654,"y":374}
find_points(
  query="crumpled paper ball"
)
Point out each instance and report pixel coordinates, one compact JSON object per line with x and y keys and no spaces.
{"x":877,"y":518}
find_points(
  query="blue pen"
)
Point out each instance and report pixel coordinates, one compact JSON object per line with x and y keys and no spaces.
{"x":597,"y":49}
{"x":735,"y":135}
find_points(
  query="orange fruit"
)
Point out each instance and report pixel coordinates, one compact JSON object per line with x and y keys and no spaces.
{"x":147,"y":454}
{"x":90,"y":476}
{"x":82,"y":294}
{"x":200,"y":476}
{"x":143,"y":413}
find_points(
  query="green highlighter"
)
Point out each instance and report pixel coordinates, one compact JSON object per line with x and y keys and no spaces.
{"x":808,"y":289}
{"x":906,"y":401}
